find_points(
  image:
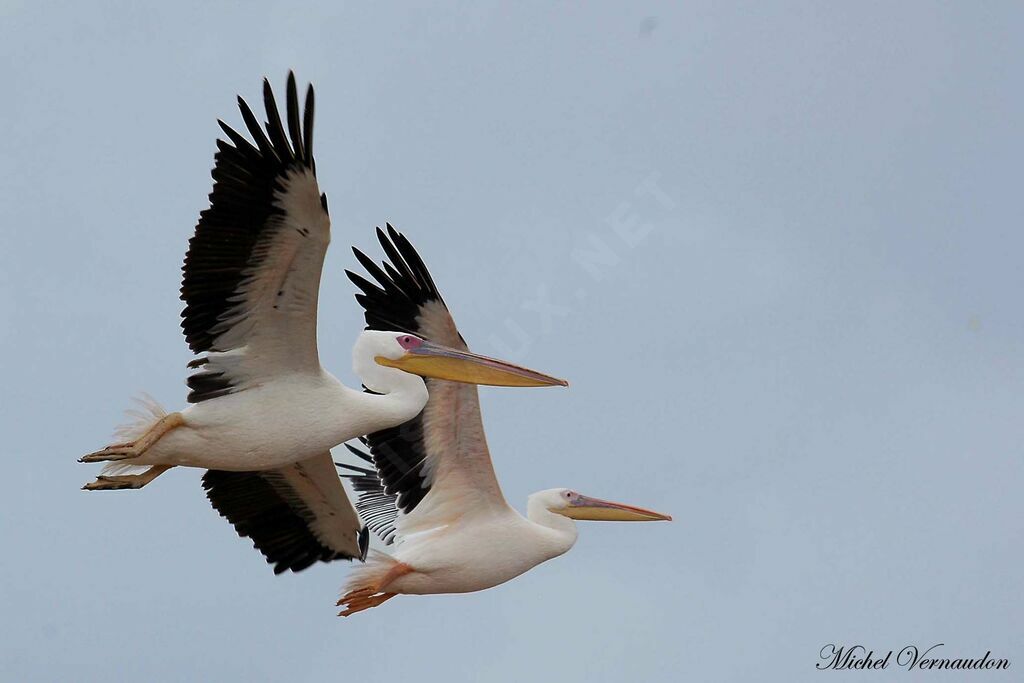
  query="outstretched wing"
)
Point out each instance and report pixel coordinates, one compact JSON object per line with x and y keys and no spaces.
{"x":437,"y":465}
{"x":295,"y":515}
{"x":252,"y":272}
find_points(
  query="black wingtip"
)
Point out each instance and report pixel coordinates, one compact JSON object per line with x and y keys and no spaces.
{"x":363,"y":541}
{"x":307,"y":125}
{"x":360,"y":454}
{"x":365,"y":261}
{"x":274,"y":126}
{"x":254,"y":128}
{"x":359,"y":471}
{"x":294,"y":120}
{"x":268,"y":96}
{"x":402,"y":286}
{"x":353,"y":277}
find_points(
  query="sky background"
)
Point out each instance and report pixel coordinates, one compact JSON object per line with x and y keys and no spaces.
{"x":775,"y":249}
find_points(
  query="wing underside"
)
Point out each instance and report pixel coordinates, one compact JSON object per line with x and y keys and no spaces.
{"x":296,"y":515}
{"x":250,"y":284}
{"x":436,"y":467}
{"x":252,"y":272}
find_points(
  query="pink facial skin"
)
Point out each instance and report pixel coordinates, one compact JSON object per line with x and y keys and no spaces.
{"x":409,"y":343}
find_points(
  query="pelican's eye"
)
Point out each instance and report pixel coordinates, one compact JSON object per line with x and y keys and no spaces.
{"x":409,"y":342}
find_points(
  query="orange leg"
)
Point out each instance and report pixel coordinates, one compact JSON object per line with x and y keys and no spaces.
{"x":400,"y":569}
{"x":126,"y":481}
{"x":134,"y":449}
{"x":365,"y":603}
{"x":371,"y":596}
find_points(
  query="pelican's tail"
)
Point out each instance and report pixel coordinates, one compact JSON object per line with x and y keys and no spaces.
{"x":140,"y":418}
{"x":370,"y":574}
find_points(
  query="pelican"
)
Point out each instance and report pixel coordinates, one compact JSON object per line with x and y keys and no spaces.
{"x":430,"y":490}
{"x":264,"y":414}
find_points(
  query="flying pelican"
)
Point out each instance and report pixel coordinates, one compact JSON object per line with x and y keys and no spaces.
{"x":264,"y":413}
{"x":431,"y":490}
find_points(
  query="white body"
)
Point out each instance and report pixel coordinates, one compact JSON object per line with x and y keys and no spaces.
{"x":264,"y":414}
{"x":480,"y":553}
{"x":480,"y":550}
{"x":281,"y":422}
{"x":292,"y":417}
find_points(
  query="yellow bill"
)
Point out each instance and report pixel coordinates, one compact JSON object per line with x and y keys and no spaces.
{"x":595,"y":509}
{"x":441,"y":362}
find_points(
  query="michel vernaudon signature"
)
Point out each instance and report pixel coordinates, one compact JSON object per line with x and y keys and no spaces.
{"x":854,"y":657}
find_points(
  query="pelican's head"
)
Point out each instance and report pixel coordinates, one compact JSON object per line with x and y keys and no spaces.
{"x":415,"y":355}
{"x":569,"y":503}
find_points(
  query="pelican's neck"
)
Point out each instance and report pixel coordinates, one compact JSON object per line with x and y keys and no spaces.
{"x":558,"y":530}
{"x":398,"y":396}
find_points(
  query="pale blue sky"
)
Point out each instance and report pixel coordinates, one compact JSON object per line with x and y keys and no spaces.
{"x":806,"y":344}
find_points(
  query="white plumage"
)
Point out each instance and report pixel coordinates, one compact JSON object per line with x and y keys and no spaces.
{"x":430,"y":491}
{"x":264,"y":414}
